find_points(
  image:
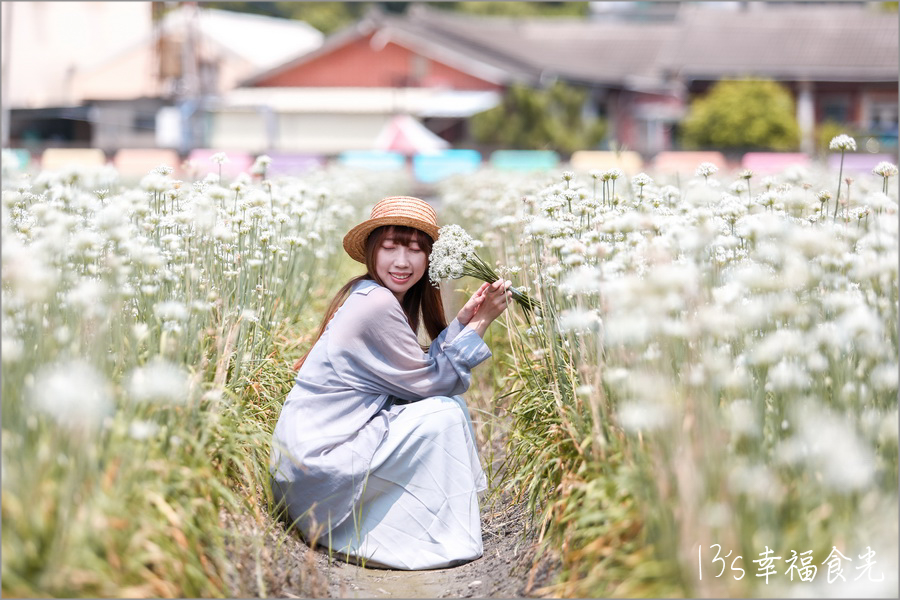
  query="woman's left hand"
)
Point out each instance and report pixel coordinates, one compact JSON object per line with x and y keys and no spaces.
{"x":471,"y":307}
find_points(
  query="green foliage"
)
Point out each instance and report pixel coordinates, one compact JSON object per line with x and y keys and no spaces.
{"x":327,"y":17}
{"x":830,"y":129}
{"x":520,"y":9}
{"x":743,"y":114}
{"x":540,"y":119}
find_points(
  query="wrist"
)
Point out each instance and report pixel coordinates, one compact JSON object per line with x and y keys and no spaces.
{"x":480,"y":325}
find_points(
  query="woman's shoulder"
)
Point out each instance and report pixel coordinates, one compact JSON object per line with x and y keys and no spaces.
{"x":369,"y":298}
{"x":372,"y":289}
{"x":365,"y":287}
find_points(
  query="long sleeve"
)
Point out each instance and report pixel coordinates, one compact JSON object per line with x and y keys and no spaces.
{"x":374,"y":350}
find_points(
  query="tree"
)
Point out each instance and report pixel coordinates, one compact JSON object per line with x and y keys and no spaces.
{"x":540,"y":119}
{"x":327,"y":17}
{"x":743,"y":114}
{"x":519,"y":9}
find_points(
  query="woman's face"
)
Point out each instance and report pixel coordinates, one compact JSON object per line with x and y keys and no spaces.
{"x":400,"y":267}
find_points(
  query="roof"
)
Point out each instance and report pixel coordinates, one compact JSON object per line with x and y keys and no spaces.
{"x":575,"y":49}
{"x":260,"y":40}
{"x":820,"y":42}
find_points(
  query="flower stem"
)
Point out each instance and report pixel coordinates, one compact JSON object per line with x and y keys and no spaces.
{"x":837,"y":201}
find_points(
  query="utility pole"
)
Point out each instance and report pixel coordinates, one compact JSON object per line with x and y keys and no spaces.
{"x":190,"y":94}
{"x":4,"y":84}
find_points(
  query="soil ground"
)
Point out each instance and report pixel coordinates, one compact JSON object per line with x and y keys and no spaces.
{"x":270,"y":561}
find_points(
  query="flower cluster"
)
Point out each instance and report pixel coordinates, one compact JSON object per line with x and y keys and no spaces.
{"x":450,"y":253}
{"x":842,"y":142}
{"x":706,"y":169}
{"x":453,"y":256}
{"x":885,"y":169}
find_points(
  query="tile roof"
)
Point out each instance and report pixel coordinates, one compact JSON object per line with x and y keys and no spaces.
{"x":784,"y":42}
{"x":591,"y":51}
{"x":789,"y":42}
{"x":820,"y":42}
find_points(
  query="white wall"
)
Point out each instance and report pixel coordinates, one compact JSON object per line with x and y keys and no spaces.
{"x":49,"y":42}
{"x":317,"y":133}
{"x":328,"y":133}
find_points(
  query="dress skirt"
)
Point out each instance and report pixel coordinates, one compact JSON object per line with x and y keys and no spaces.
{"x":419,"y":507}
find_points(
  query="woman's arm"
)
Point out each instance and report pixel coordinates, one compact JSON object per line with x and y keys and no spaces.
{"x":373,"y":349}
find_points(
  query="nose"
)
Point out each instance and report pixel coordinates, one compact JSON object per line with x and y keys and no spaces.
{"x":401,"y":258}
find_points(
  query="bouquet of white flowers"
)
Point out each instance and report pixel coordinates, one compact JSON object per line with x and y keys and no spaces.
{"x":453,"y":256}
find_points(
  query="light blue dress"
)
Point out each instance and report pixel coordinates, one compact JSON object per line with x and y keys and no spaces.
{"x":393,"y":483}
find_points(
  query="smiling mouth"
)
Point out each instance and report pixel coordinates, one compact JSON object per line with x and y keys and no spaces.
{"x":400,"y":276}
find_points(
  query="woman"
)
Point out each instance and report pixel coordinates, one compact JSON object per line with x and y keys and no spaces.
{"x":374,"y":453}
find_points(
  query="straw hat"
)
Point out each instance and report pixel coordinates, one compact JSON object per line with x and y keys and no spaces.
{"x":395,"y":210}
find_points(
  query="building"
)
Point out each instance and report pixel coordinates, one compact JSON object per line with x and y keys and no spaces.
{"x":130,"y":74}
{"x":840,"y":62}
{"x":202,"y":78}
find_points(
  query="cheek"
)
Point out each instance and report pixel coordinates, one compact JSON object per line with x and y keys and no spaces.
{"x":421,"y":262}
{"x":380,"y":263}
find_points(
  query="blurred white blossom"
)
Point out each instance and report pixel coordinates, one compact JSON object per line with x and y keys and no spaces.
{"x":160,"y":381}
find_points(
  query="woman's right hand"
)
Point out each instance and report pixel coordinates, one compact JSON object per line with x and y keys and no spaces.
{"x":487,"y":304}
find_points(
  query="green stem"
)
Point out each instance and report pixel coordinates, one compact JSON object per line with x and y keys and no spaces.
{"x":837,"y":201}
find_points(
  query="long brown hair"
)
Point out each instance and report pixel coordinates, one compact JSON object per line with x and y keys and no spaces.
{"x":421,"y":303}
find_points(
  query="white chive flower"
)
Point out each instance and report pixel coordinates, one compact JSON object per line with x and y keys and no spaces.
{"x":705,"y":169}
{"x":160,"y":381}
{"x":885,"y":169}
{"x":450,"y":253}
{"x":842,"y":142}
{"x":453,"y":256}
{"x":73,"y":393}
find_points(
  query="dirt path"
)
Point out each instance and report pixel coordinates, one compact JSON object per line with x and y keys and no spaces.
{"x":268,"y":561}
{"x":503,"y":571}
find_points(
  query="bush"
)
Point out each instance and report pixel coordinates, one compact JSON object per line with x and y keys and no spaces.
{"x":540,"y":119}
{"x":743,"y":114}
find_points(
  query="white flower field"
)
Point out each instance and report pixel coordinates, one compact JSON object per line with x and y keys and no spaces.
{"x":708,"y":391}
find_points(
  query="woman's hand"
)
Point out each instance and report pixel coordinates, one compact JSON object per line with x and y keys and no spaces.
{"x":485,"y":305}
{"x":468,"y":310}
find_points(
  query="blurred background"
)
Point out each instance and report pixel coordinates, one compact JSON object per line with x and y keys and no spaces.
{"x":454,"y":83}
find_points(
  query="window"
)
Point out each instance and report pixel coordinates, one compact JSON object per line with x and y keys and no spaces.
{"x":836,"y":108}
{"x":144,"y":122}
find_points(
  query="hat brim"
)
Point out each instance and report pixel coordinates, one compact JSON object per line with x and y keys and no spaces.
{"x":355,"y":240}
